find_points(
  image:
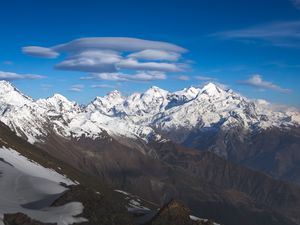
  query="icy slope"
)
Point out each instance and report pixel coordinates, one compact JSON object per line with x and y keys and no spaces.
{"x":27,"y":187}
{"x":31,"y":168}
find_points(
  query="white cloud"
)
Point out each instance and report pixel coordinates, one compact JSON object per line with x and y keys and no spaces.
{"x":204,"y":78}
{"x":140,"y":76}
{"x":273,"y":106}
{"x":103,"y":86}
{"x":116,"y":55}
{"x":152,"y":54}
{"x":91,"y":61}
{"x":155,"y":66}
{"x":77,"y":88}
{"x":40,"y":52}
{"x":258,"y":82}
{"x":100,"y":61}
{"x":15,"y":76}
{"x":183,"y":77}
{"x":8,"y":62}
{"x":283,"y":34}
{"x":116,"y":43}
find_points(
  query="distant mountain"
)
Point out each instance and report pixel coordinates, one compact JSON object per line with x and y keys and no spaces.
{"x":254,"y":133}
{"x":128,"y":143}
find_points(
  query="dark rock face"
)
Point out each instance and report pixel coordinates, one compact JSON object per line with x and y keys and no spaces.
{"x":21,"y":219}
{"x":273,"y":151}
{"x":99,"y":208}
{"x":219,"y":188}
{"x":112,"y":163}
{"x":173,"y":213}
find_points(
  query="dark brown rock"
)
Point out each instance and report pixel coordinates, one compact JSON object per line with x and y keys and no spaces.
{"x":175,"y":213}
{"x":21,"y":219}
{"x":99,"y":208}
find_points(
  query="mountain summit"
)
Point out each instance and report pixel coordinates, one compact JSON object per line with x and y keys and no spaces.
{"x":210,"y":118}
{"x":141,"y":113}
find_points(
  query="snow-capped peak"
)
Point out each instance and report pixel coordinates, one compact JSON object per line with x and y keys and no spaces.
{"x":9,"y":95}
{"x":58,"y":103}
{"x":6,"y":87}
{"x":189,"y":93}
{"x":156,"y":92}
{"x":211,"y":89}
{"x":114,"y":94}
{"x":58,"y":97}
{"x":192,"y":90}
{"x":5,"y":84}
{"x":139,"y":114}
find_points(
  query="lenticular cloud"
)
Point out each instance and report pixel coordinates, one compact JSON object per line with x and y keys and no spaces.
{"x":111,"y":55}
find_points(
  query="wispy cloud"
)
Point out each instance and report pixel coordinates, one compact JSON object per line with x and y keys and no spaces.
{"x":182,"y":77}
{"x":204,"y":78}
{"x":40,"y":52}
{"x":140,"y":76}
{"x":8,"y":62}
{"x":16,"y":76}
{"x":283,"y":34}
{"x":152,"y":66}
{"x":116,"y":55}
{"x":77,"y":88}
{"x":152,"y":54}
{"x":281,"y":64}
{"x":116,"y":43}
{"x":91,"y":61}
{"x":296,"y":3}
{"x":104,"y":86}
{"x":258,"y":82}
{"x":111,"y":61}
{"x":46,"y":87}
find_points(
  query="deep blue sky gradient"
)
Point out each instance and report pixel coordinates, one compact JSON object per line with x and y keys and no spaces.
{"x":190,"y":24}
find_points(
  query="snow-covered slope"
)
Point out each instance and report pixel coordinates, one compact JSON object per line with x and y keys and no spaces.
{"x":34,"y":120}
{"x":140,"y":115}
{"x":30,"y":188}
{"x":194,"y":107}
{"x":215,"y":107}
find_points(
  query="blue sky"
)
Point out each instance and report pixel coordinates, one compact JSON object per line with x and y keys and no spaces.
{"x":84,"y":49}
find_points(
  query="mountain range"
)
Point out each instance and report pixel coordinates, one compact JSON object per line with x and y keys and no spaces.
{"x":254,"y":133}
{"x":226,"y":157}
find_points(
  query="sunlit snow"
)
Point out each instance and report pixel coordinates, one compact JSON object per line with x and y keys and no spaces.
{"x":139,"y":115}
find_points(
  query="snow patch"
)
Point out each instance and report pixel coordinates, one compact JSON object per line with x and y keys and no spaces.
{"x":32,"y":168}
{"x":27,"y":187}
{"x":194,"y":218}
